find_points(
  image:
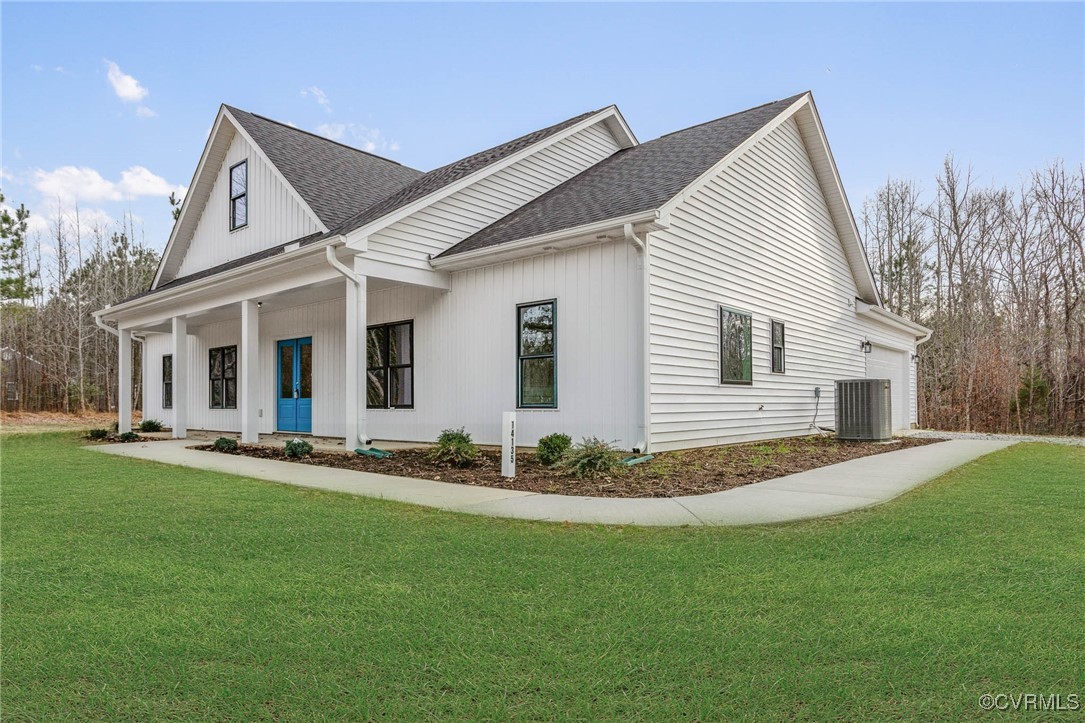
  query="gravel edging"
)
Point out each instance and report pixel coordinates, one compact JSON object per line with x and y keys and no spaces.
{"x":934,"y":434}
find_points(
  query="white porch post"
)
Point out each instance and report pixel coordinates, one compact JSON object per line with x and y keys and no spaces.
{"x":124,"y":381}
{"x":355,"y":387}
{"x":250,"y":372}
{"x":180,"y":377}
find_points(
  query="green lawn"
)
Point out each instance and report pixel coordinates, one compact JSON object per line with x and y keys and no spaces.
{"x":140,"y":591}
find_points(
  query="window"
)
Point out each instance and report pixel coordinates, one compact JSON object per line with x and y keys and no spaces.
{"x":239,"y":195}
{"x":390,"y":366}
{"x":167,"y":381}
{"x":223,"y":376}
{"x":11,"y":391}
{"x":778,"y":347}
{"x":736,"y":365}
{"x":537,"y":373}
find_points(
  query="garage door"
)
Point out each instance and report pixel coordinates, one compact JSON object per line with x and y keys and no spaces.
{"x":885,"y":363}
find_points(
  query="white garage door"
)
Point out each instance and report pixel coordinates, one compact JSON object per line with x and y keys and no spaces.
{"x":884,"y":363}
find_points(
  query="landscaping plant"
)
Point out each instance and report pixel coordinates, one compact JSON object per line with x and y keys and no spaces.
{"x":129,"y":437}
{"x":591,"y":457}
{"x":552,"y":447}
{"x":298,"y":448}
{"x":229,"y":444}
{"x":454,"y":447}
{"x":150,"y":425}
{"x":97,"y":433}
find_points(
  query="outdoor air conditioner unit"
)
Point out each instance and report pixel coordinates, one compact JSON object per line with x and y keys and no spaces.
{"x":864,"y":409}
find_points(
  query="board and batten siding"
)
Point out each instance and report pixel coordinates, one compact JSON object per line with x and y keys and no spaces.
{"x":757,"y":238}
{"x":413,"y":240}
{"x":275,"y":216}
{"x":465,"y":353}
{"x":324,"y":321}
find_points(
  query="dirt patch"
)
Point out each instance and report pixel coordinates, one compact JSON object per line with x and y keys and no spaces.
{"x":669,"y":474}
{"x":29,"y":422}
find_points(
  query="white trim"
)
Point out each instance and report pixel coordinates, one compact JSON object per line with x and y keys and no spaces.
{"x":895,"y":321}
{"x":354,"y":236}
{"x":527,"y":246}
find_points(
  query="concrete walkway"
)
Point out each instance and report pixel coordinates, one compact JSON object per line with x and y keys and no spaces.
{"x":826,"y":491}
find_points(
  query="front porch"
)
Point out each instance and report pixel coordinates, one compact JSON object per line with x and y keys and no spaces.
{"x":283,"y":354}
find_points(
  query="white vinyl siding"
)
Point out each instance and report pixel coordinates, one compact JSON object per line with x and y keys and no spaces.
{"x":464,"y":353}
{"x":274,"y":214}
{"x":412,"y":240}
{"x":760,"y":238}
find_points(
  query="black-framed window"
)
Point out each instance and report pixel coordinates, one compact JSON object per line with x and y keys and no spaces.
{"x":536,"y":355}
{"x":390,"y":366}
{"x":736,"y":345}
{"x":167,"y":381}
{"x":11,"y":392}
{"x":778,"y":347}
{"x":222,"y":373}
{"x":239,"y":195}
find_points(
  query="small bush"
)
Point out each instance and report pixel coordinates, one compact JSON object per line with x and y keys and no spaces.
{"x":298,"y":448}
{"x":455,"y":447}
{"x":591,"y":457}
{"x":150,"y":425}
{"x":97,"y":433}
{"x":115,"y":427}
{"x":226,"y":444}
{"x":552,"y":447}
{"x":129,"y":437}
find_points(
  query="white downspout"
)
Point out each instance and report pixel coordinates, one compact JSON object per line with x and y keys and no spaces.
{"x":644,"y":265}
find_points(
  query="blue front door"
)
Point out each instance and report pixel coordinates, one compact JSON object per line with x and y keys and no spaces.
{"x":295,"y":367}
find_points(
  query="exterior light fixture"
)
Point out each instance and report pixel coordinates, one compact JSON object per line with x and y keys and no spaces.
{"x":865,"y":346}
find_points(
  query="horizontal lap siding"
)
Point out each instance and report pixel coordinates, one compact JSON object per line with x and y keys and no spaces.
{"x":323,"y":321}
{"x":465,"y":348}
{"x":437,"y":227}
{"x":275,"y":216}
{"x":758,"y":238}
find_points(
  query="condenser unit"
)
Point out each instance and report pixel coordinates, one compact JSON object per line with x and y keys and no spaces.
{"x":864,"y":409}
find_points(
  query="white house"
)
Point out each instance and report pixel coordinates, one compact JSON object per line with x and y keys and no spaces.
{"x":691,"y":290}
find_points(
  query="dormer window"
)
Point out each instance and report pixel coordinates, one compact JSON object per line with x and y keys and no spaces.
{"x":239,"y":197}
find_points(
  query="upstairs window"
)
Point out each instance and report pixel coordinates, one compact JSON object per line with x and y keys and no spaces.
{"x":777,"y":347}
{"x":239,"y":195}
{"x":390,"y":366}
{"x":167,"y":381}
{"x":736,"y":343}
{"x":537,"y":371}
{"x":223,"y":377}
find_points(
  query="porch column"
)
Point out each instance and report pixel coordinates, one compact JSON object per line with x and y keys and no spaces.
{"x":124,"y":381}
{"x":180,"y":377}
{"x":250,"y":372}
{"x":355,"y":386}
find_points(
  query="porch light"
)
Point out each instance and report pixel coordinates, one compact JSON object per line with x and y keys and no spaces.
{"x":865,"y":346}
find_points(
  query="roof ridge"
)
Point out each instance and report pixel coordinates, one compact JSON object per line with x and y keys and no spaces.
{"x":731,"y":115}
{"x":316,"y":135}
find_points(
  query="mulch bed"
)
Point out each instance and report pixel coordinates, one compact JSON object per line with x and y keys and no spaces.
{"x":669,"y":474}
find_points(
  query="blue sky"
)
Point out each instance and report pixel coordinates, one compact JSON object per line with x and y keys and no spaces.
{"x":110,"y":104}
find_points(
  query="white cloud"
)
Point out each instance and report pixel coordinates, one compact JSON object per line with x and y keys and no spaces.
{"x":368,"y":139}
{"x":36,"y":68}
{"x":125,"y":86}
{"x":145,"y":112}
{"x":71,"y":184}
{"x":319,"y":96}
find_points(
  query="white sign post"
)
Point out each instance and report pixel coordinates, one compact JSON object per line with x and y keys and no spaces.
{"x":508,"y":444}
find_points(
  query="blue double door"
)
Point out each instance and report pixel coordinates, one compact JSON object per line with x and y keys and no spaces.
{"x":295,"y":375}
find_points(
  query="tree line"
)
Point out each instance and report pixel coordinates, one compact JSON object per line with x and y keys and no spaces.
{"x":997,"y":273}
{"x":54,"y":356}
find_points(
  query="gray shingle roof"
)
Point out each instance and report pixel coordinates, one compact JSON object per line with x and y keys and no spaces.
{"x":334,"y":179}
{"x":641,"y":178}
{"x":437,"y":179}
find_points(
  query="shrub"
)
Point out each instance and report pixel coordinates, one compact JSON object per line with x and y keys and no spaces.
{"x":455,"y":447}
{"x":97,"y":433}
{"x":591,"y":457}
{"x":226,"y":444}
{"x":129,"y":437}
{"x":115,"y":427}
{"x":298,"y":448}
{"x":552,"y":447}
{"x":150,"y":425}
